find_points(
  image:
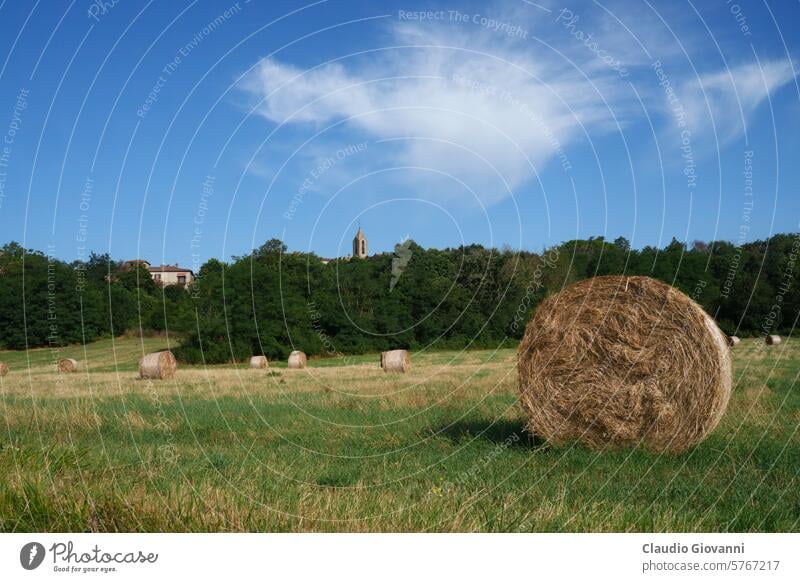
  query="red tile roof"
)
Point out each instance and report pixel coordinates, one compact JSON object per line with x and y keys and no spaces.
{"x":169,"y":269}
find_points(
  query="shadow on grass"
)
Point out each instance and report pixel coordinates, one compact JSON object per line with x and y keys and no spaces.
{"x":501,"y":432}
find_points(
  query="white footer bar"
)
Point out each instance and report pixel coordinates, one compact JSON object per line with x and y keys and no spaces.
{"x":401,"y":557}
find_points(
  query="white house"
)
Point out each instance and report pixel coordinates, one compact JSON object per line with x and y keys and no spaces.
{"x":171,"y":275}
{"x":166,"y":274}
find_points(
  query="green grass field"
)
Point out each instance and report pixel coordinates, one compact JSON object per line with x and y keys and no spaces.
{"x":341,"y":446}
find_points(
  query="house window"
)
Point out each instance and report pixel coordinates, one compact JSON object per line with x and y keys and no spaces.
{"x":157,"y":276}
{"x":182,"y":279}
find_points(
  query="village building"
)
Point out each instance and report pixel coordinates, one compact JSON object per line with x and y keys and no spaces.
{"x":165,"y":274}
{"x":175,"y":275}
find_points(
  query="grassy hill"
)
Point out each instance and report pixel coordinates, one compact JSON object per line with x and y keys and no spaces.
{"x":101,"y":356}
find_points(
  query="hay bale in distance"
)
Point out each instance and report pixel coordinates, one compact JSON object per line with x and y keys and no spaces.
{"x":773,"y":340}
{"x":623,"y":361}
{"x":3,"y":369}
{"x":733,"y":340}
{"x":297,"y":360}
{"x":157,"y":366}
{"x":67,"y":365}
{"x":259,"y":362}
{"x":395,"y":361}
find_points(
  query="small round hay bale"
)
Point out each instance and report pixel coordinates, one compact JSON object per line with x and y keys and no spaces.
{"x":620,"y":360}
{"x":157,"y":366}
{"x":733,"y":340}
{"x":3,"y":369}
{"x":67,"y":365}
{"x":297,"y":360}
{"x":259,"y":362}
{"x":773,"y":340}
{"x":395,"y":361}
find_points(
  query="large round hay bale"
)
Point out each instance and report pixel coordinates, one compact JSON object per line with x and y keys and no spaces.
{"x":623,"y":361}
{"x":67,"y":365}
{"x":157,"y":366}
{"x":259,"y":362}
{"x":733,"y":340}
{"x":395,"y":361}
{"x":772,"y":340}
{"x":297,"y":360}
{"x":3,"y":369}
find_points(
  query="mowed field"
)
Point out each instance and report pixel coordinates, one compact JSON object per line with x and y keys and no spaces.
{"x":341,"y":446}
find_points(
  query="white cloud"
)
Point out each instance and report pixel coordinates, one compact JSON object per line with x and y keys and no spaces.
{"x":731,"y":96}
{"x":480,"y":101}
{"x":499,"y":106}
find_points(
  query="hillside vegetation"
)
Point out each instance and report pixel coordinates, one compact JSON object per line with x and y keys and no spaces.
{"x":273,"y":301}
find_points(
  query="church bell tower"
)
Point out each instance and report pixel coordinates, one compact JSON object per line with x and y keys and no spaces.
{"x":360,"y":245}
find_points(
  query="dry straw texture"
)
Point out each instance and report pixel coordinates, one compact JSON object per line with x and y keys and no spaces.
{"x":297,"y":360}
{"x":395,"y":361}
{"x":157,"y":366}
{"x":67,"y":365}
{"x":259,"y":362}
{"x":773,"y":340}
{"x":624,"y":361}
{"x":733,"y":340}
{"x":3,"y":369}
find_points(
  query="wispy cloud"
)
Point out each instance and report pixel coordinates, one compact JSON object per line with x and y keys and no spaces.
{"x":489,"y":110}
{"x":480,"y":112}
{"x":730,"y":97}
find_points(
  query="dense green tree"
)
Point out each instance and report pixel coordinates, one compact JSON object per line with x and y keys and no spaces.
{"x":272,"y":300}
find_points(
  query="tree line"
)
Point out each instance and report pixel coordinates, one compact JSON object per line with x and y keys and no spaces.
{"x":272,"y":301}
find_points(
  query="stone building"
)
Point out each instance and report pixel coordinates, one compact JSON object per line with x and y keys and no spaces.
{"x":165,"y":274}
{"x":360,"y":245}
{"x":171,"y":275}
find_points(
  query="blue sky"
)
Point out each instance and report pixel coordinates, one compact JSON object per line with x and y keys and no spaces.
{"x":180,"y":131}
